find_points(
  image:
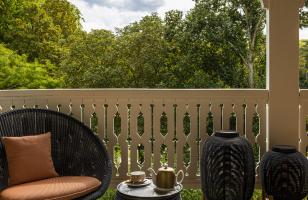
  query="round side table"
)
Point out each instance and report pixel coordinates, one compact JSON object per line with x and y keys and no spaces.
{"x":125,"y":192}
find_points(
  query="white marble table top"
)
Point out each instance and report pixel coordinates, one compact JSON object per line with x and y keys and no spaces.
{"x":146,"y":191}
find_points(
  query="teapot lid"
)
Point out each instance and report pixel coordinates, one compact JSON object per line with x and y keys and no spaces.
{"x":165,"y":168}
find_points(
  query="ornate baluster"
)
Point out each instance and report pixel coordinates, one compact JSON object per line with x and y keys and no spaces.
{"x":94,"y":120}
{"x":117,"y":148}
{"x":186,"y":147}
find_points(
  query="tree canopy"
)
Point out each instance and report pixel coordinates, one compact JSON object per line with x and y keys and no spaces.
{"x":17,"y":72}
{"x":217,"y":44}
{"x":38,"y":28}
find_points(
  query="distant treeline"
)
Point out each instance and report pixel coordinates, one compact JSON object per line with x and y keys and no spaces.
{"x":215,"y":45}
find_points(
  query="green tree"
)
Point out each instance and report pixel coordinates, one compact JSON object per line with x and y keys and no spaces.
{"x":142,"y":51}
{"x":303,"y":62}
{"x":31,"y":31}
{"x":231,"y":31}
{"x":182,"y":69}
{"x":92,"y":62}
{"x":65,"y":15}
{"x":175,"y":70}
{"x":38,"y":28}
{"x":16,"y":72}
{"x":304,"y":15}
{"x":134,"y":57}
{"x":149,"y":53}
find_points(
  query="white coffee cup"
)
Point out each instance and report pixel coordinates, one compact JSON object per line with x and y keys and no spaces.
{"x":137,"y":177}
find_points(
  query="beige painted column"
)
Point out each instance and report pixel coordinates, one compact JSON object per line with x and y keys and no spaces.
{"x":283,"y":70}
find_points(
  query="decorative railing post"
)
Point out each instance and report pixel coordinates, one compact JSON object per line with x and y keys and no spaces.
{"x":283,"y":70}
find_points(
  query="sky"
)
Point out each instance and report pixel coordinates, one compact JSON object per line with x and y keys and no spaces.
{"x":111,"y":14}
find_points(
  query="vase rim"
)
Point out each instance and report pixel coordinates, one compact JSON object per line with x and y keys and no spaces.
{"x":284,"y":148}
{"x":226,"y":134}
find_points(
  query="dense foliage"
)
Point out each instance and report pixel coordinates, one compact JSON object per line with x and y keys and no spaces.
{"x":17,"y":72}
{"x":218,"y":43}
{"x":303,"y":60}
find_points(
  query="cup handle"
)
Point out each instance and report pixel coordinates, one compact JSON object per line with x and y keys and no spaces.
{"x":182,"y":178}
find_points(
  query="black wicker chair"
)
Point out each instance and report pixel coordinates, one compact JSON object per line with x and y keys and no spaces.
{"x":76,"y":151}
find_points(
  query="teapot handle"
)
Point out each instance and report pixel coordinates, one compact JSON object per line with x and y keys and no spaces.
{"x":182,"y":177}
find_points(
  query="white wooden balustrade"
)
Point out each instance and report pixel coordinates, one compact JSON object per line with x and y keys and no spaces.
{"x":143,"y":128}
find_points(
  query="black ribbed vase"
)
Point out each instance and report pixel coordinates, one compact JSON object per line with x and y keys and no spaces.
{"x":227,"y":167}
{"x":284,"y":173}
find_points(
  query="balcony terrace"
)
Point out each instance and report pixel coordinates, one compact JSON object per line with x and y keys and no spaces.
{"x":144,"y":127}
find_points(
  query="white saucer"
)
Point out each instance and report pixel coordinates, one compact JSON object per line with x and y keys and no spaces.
{"x":131,"y":184}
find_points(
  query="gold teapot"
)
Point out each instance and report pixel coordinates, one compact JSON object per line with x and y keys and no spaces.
{"x":166,"y":177}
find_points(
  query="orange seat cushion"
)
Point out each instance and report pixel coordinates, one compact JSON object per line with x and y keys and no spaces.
{"x":58,"y":188}
{"x":29,"y":158}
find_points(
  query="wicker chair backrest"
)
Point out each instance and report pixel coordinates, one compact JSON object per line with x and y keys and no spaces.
{"x":75,"y":149}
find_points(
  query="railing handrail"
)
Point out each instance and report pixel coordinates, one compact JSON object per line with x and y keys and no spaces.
{"x":135,"y":93}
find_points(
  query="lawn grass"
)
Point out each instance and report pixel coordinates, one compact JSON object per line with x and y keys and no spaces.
{"x":187,"y":194}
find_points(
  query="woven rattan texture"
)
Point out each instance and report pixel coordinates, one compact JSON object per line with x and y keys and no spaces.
{"x":285,"y":176}
{"x":227,"y":169}
{"x":75,"y":149}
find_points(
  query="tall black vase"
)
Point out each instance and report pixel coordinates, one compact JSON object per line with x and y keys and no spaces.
{"x":284,"y":173}
{"x":227,"y":167}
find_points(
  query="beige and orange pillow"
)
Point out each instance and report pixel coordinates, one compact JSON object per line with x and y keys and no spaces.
{"x":29,"y":158}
